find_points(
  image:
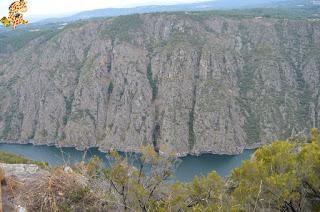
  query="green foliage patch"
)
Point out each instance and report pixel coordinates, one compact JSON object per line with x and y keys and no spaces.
{"x":307,"y":12}
{"x":279,"y":177}
{"x":192,"y":136}
{"x":152,"y":81}
{"x":283,"y":176}
{"x":10,"y":158}
{"x":121,"y":27}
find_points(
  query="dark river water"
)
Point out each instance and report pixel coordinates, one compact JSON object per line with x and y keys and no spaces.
{"x":189,"y":167}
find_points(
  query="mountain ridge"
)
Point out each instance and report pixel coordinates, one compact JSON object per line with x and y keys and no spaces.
{"x":199,"y":6}
{"x":194,"y":83}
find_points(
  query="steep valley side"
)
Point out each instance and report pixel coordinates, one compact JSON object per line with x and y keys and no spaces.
{"x":193,"y":83}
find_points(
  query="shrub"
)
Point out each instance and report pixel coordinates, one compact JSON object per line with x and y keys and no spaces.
{"x":10,"y":158}
{"x":283,"y":176}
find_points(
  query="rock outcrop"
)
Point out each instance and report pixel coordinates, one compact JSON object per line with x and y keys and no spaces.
{"x":23,"y":172}
{"x":192,"y":82}
{"x":17,"y":175}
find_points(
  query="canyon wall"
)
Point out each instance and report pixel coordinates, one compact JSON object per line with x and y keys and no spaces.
{"x":193,"y":83}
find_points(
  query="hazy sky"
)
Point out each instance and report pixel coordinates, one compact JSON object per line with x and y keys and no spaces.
{"x":57,"y":7}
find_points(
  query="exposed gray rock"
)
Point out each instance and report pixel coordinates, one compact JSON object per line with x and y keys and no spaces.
{"x":212,"y":84}
{"x":23,"y":172}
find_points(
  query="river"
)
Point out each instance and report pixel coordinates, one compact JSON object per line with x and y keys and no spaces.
{"x":189,"y":167}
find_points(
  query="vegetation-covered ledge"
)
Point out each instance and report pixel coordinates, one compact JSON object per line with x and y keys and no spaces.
{"x":10,"y":158}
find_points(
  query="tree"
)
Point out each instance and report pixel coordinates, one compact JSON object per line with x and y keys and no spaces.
{"x":140,"y":188}
{"x":269,"y":181}
{"x":283,"y":176}
{"x":309,"y":170}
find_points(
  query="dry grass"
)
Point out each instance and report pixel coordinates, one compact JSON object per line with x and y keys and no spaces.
{"x":60,"y":191}
{"x":48,"y":191}
{"x":12,"y":185}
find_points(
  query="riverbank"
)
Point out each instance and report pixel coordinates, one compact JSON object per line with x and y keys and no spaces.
{"x":131,"y":151}
{"x":189,"y":167}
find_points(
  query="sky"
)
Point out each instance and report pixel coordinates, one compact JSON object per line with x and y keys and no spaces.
{"x":68,"y":7}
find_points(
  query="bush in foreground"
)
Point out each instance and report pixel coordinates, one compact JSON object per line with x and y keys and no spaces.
{"x":283,"y":176}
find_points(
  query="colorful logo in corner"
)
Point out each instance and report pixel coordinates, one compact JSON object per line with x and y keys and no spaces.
{"x":15,"y":17}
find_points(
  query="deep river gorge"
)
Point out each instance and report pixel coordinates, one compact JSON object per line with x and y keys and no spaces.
{"x":189,"y":167}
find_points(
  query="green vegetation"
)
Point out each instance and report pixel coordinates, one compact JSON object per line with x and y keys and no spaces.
{"x":10,"y":158}
{"x":186,"y":38}
{"x":155,"y":135}
{"x":16,"y":40}
{"x":280,"y":177}
{"x":252,"y":122}
{"x":82,"y":114}
{"x":304,"y":95}
{"x":11,"y":41}
{"x":122,"y":26}
{"x":252,"y":128}
{"x":68,"y":102}
{"x":276,"y":13}
{"x":192,"y":136}
{"x":283,"y":176}
{"x":153,"y":82}
{"x":44,"y":133}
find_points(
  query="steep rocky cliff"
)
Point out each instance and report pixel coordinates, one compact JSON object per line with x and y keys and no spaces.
{"x":192,"y":82}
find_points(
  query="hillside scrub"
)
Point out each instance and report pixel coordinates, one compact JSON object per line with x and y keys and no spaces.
{"x":10,"y":158}
{"x":283,"y":176}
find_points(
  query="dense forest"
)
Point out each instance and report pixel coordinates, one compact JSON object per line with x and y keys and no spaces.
{"x":283,"y":176}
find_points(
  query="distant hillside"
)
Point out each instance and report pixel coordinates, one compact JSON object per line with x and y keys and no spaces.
{"x":206,"y":5}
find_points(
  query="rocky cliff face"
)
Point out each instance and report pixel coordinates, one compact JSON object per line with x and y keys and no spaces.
{"x":189,"y":82}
